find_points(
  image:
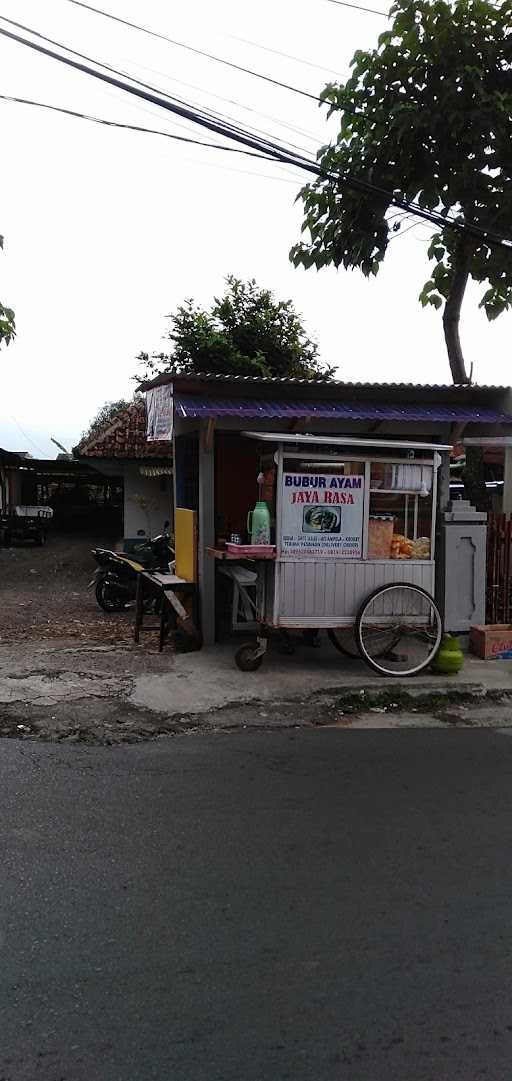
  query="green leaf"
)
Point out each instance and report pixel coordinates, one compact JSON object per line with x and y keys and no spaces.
{"x":435,"y":300}
{"x":426,"y":115}
{"x":424,"y":295}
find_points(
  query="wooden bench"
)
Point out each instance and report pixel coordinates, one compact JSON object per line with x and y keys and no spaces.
{"x":164,"y":589}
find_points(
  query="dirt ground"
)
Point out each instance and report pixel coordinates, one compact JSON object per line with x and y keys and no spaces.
{"x":44,"y":592}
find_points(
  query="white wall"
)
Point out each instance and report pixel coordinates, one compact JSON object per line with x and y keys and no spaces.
{"x":147,"y":502}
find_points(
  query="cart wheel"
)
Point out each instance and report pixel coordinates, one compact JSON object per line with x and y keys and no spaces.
{"x":342,"y":638}
{"x":246,"y":660}
{"x":399,"y":629}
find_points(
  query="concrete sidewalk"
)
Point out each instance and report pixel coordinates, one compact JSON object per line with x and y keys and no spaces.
{"x":198,"y":682}
{"x":133,"y":688}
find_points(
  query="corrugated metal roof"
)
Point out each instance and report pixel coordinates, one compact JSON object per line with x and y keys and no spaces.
{"x":209,"y":377}
{"x":194,"y":406}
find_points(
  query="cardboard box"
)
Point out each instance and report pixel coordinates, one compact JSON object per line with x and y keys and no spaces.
{"x":493,"y":641}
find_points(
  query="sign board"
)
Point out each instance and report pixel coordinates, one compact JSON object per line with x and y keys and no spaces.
{"x":159,"y":413}
{"x":322,"y":515}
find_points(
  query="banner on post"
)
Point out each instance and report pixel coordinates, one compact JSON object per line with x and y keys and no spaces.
{"x":159,"y":413}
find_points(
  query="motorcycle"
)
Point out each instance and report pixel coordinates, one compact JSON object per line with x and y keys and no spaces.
{"x":115,"y":580}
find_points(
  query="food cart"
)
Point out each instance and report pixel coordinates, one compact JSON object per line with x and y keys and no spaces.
{"x":353,"y":547}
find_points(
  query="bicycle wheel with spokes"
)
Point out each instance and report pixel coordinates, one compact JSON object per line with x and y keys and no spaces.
{"x":344,"y":640}
{"x":409,"y":619}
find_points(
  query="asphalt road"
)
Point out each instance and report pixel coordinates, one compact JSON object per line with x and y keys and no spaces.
{"x":308,"y":904}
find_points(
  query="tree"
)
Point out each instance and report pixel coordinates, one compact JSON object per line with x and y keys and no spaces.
{"x":427,"y":115}
{"x":7,"y":323}
{"x":105,"y":416}
{"x":245,"y":332}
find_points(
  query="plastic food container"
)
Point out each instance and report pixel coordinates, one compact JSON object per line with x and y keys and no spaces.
{"x":380,"y":533}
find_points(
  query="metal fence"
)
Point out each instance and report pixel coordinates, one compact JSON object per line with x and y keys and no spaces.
{"x":499,"y":563}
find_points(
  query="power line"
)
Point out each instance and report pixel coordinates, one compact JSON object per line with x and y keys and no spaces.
{"x":265,"y":145}
{"x":210,"y":56}
{"x":192,"y":49}
{"x":231,"y":101}
{"x":208,"y":118}
{"x":230,"y":131}
{"x":208,"y":115}
{"x":287,"y":56}
{"x":401,"y":232}
{"x":166,"y":134}
{"x":346,"y":4}
{"x":347,"y":108}
{"x":25,"y":436}
{"x":216,"y":113}
{"x":134,"y":127}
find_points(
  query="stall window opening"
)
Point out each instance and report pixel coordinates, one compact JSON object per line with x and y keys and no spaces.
{"x":400,"y":518}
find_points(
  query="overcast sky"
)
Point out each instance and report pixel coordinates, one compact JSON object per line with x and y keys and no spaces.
{"x":107,"y":231}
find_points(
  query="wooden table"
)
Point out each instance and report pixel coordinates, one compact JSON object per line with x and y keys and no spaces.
{"x":164,"y":587}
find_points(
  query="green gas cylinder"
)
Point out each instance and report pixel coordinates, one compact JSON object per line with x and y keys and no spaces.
{"x":450,"y":658}
{"x":258,"y":523}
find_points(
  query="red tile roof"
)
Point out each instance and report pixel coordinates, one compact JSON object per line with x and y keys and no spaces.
{"x":125,"y":437}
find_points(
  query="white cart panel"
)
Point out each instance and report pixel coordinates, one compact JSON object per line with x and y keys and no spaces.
{"x":329,"y":593}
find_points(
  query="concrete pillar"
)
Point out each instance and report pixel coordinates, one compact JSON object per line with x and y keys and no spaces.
{"x":462,"y":566}
{"x":507,"y":479}
{"x":206,"y":565}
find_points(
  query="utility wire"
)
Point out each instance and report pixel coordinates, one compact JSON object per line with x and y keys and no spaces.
{"x":401,"y":232}
{"x":192,"y":49}
{"x":181,"y":109}
{"x":266,"y":145}
{"x":209,"y":115}
{"x":230,"y":131}
{"x":346,"y":4}
{"x":231,"y":101}
{"x":222,"y":125}
{"x":135,"y":127}
{"x":25,"y":436}
{"x":287,"y":56}
{"x":166,"y":134}
{"x":210,"y":111}
{"x":341,"y":3}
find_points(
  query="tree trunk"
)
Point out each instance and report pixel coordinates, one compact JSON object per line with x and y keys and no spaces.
{"x":474,"y":473}
{"x":474,"y":479}
{"x":451,"y":316}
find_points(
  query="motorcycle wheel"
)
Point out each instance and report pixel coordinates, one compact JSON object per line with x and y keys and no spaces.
{"x":109,"y":598}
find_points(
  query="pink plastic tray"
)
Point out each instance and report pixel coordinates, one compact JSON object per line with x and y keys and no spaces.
{"x":250,"y":549}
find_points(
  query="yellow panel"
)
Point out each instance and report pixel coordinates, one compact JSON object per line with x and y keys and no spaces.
{"x":185,"y":536}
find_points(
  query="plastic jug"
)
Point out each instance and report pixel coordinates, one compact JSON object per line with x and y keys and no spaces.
{"x":258,"y":523}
